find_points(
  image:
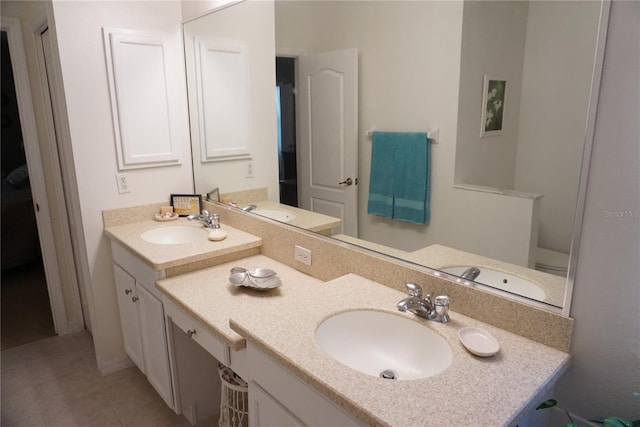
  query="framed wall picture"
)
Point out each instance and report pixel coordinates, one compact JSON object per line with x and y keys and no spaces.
{"x":186,"y":204}
{"x":493,"y":103}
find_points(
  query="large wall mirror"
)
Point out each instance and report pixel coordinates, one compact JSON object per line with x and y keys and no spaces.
{"x":503,"y":202}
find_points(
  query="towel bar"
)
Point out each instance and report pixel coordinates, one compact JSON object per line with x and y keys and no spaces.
{"x":433,"y":135}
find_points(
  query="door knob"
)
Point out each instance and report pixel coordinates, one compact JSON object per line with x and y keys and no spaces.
{"x":347,"y":181}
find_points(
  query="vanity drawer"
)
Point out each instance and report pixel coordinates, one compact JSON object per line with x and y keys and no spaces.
{"x":197,"y":332}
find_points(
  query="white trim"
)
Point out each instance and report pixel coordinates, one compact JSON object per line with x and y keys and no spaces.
{"x":114,"y":365}
{"x":63,"y":176}
{"x":287,"y":52}
{"x":36,"y":175}
{"x":80,"y":255}
{"x":217,"y":5}
{"x":139,"y":144}
{"x":224,"y":111}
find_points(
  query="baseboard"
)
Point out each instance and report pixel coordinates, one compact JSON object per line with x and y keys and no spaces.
{"x":106,"y":368}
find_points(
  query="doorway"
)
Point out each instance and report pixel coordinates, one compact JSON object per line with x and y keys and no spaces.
{"x":26,"y":310}
{"x":286,"y":116}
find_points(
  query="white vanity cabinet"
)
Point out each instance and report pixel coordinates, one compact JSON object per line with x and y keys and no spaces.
{"x":142,"y":319}
{"x":194,"y":352}
{"x":279,"y":398}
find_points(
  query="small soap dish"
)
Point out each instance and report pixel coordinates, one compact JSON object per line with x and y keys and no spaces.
{"x":217,"y":234}
{"x":259,"y":278}
{"x":478,"y":341}
{"x":166,"y":217}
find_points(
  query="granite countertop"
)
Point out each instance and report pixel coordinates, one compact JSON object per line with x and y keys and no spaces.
{"x":282,"y":322}
{"x":161,"y":257}
{"x":308,"y":220}
{"x":194,"y":293}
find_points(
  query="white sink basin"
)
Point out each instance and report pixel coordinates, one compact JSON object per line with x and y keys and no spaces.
{"x":277,"y":214}
{"x":374,"y":342}
{"x":503,"y":281}
{"x":174,"y":235}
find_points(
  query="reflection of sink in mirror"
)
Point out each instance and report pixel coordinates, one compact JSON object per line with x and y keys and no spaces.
{"x":503,"y":281}
{"x":174,"y":235}
{"x":277,"y":214}
{"x":380,"y":343}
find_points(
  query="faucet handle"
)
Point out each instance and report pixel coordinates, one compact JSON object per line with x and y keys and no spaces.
{"x":205,"y":213}
{"x":413,"y":289}
{"x":441,"y":307}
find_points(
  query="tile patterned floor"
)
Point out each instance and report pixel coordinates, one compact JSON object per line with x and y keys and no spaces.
{"x":55,"y":382}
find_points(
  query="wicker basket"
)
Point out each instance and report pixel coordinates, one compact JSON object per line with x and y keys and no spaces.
{"x":234,"y":405}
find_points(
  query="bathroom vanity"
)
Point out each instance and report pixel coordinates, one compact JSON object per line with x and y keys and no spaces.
{"x":268,"y":337}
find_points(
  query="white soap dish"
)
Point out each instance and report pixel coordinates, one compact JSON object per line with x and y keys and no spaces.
{"x":217,"y":234}
{"x":478,"y":341}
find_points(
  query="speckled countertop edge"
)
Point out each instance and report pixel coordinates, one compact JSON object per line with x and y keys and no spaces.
{"x":208,"y":296}
{"x":161,"y":257}
{"x":508,"y":380}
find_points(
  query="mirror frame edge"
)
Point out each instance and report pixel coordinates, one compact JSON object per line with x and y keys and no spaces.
{"x":605,"y":7}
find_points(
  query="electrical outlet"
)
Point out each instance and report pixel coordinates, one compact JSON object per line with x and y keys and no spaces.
{"x":123,"y":183}
{"x":249,"y":170}
{"x":303,"y":255}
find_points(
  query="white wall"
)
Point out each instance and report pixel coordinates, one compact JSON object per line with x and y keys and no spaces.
{"x":253,"y":23}
{"x":605,"y":368}
{"x":78,"y":26}
{"x":560,"y":40}
{"x":493,"y":43}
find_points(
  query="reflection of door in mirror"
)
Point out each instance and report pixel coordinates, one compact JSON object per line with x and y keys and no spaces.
{"x":328,"y":136}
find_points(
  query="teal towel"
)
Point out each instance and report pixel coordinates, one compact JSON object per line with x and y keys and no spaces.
{"x":381,"y":177}
{"x":411,"y":178}
{"x":399,"y":181}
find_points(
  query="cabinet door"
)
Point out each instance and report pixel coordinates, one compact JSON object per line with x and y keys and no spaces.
{"x":127,"y":301}
{"x":154,"y":344}
{"x":265,"y":411}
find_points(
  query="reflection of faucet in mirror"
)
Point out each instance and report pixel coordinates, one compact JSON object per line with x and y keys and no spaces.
{"x":215,"y":191}
{"x":249,"y":208}
{"x":457,"y":118}
{"x":470,"y":273}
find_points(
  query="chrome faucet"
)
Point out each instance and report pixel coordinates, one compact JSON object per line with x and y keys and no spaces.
{"x":437,"y":310}
{"x":249,"y":208}
{"x":215,"y":191}
{"x":210,"y":220}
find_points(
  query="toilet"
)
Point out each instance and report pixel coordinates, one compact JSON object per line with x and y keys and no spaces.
{"x":552,"y":262}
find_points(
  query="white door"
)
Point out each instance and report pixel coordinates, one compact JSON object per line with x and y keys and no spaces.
{"x":328,"y":145}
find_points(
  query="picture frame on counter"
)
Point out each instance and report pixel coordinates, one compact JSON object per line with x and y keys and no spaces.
{"x":186,"y":204}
